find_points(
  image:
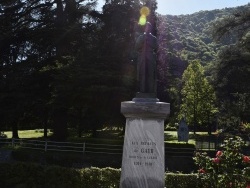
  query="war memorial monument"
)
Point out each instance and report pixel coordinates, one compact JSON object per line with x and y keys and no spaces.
{"x":143,"y":161}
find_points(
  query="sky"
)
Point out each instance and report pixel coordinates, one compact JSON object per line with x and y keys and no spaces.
{"x":177,"y":7}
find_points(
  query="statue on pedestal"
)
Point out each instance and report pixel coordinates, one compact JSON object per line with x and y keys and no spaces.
{"x":146,"y":45}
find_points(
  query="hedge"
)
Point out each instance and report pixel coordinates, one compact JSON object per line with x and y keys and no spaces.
{"x":29,"y":175}
{"x":173,"y":180}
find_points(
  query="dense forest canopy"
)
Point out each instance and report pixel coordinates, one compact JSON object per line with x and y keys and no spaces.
{"x":65,"y":65}
{"x":219,"y":39}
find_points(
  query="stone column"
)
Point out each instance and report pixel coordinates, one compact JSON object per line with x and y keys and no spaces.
{"x":143,"y":164}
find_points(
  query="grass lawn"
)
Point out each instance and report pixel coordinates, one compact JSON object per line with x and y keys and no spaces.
{"x":171,"y":136}
{"x":104,"y":136}
{"x":37,"y":133}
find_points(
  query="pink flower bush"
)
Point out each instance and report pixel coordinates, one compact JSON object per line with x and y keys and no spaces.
{"x":229,"y":167}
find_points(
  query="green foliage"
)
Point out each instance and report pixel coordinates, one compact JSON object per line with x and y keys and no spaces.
{"x":21,"y":175}
{"x":229,"y":168}
{"x":231,"y":73}
{"x":96,"y":177}
{"x":246,"y":127}
{"x":61,"y":177}
{"x":198,"y":96}
{"x":33,"y":175}
{"x":65,"y":64}
{"x":34,"y":37}
{"x":188,"y":37}
{"x":237,"y":20}
{"x":180,"y":180}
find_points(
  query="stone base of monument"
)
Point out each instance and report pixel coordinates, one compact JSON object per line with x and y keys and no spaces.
{"x":143,"y":150}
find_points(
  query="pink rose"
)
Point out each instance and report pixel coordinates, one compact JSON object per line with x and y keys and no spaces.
{"x":216,"y":160}
{"x":219,"y":153}
{"x":246,"y":159}
{"x":202,"y":171}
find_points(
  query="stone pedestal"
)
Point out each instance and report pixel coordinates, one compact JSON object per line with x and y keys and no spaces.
{"x":143,"y":151}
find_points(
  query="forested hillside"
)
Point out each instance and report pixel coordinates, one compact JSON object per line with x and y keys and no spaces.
{"x":187,"y":37}
{"x":206,"y":36}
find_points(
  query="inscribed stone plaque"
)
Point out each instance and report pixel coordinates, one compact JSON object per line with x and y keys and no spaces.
{"x":143,"y":154}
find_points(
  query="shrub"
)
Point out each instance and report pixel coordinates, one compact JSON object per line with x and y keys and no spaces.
{"x":21,"y":175}
{"x":111,"y":177}
{"x":56,"y":176}
{"x":246,"y":127}
{"x":229,"y":168}
{"x":103,"y":178}
{"x":173,"y":180}
{"x":34,"y":175}
{"x":37,"y":176}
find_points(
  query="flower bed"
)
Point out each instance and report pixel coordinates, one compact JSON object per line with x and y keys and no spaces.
{"x":229,"y":167}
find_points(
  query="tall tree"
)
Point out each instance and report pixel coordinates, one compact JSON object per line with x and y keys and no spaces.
{"x":231,"y":71}
{"x":71,"y":29}
{"x":36,"y":38}
{"x":231,"y":75}
{"x":14,"y":46}
{"x":238,"y":21}
{"x":112,"y":77}
{"x":198,"y":96}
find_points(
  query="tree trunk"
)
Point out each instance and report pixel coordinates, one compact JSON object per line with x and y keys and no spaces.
{"x":45,"y":124}
{"x":79,"y":131}
{"x":80,"y":122}
{"x":60,"y":124}
{"x":14,"y":130}
{"x":60,"y":27}
{"x":194,"y":121}
{"x":94,"y":132}
{"x":45,"y":130}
